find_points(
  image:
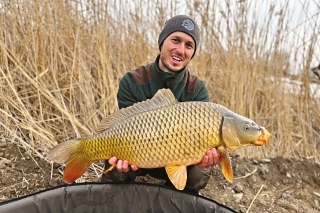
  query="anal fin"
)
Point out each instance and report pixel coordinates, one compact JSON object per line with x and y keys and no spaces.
{"x":110,"y":169}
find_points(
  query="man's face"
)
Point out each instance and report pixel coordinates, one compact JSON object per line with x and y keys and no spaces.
{"x":176,"y":52}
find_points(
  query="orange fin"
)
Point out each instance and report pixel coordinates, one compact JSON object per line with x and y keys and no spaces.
{"x":177,"y":175}
{"x":75,"y":167}
{"x":109,"y":169}
{"x":226,"y":164}
{"x":68,"y":152}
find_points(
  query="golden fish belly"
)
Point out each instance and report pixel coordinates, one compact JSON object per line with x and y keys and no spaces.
{"x":175,"y":135}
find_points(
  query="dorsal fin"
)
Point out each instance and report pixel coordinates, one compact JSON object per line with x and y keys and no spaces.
{"x":163,"y":98}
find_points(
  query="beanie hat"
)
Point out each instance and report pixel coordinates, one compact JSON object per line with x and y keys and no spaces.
{"x":180,"y":23}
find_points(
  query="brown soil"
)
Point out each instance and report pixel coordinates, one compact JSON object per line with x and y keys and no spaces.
{"x":264,"y":185}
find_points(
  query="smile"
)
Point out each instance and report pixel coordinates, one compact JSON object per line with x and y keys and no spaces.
{"x":176,"y":58}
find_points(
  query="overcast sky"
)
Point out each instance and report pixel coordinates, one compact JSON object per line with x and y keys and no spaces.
{"x":302,"y":20}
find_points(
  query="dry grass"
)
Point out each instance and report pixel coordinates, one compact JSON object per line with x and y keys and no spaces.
{"x":61,"y":62}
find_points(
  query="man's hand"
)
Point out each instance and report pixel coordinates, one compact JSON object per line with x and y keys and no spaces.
{"x":122,"y":165}
{"x":211,"y":158}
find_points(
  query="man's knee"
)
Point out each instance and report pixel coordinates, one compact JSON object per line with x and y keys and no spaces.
{"x":197,"y":178}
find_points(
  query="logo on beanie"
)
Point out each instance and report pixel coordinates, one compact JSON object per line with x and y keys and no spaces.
{"x":188,"y":24}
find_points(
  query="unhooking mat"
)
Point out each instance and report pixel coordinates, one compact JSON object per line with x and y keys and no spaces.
{"x":112,"y":198}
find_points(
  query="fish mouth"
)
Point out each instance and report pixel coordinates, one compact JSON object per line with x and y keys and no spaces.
{"x":263,"y":138}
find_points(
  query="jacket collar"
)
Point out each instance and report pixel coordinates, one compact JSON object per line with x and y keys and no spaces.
{"x":162,"y":77}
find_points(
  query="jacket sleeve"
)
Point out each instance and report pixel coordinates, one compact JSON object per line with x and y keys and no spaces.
{"x":202,"y":93}
{"x":125,"y":98}
{"x":125,"y":94}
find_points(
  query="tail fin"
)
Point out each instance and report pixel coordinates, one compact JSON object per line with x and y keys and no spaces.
{"x":76,"y":163}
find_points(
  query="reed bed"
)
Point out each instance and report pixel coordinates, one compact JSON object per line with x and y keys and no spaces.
{"x":61,"y":62}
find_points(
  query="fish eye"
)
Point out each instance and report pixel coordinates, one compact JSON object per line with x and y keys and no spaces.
{"x":247,"y":127}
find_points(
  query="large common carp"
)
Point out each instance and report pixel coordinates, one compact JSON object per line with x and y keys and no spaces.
{"x":161,"y":132}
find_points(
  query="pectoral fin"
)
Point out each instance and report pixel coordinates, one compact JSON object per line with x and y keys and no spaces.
{"x":177,"y":176}
{"x":226,"y":164}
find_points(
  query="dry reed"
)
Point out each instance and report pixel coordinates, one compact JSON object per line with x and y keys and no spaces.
{"x":61,"y":62}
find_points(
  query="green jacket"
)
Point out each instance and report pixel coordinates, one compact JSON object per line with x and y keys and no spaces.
{"x":142,"y":84}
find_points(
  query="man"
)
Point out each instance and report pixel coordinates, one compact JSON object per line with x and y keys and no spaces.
{"x":178,"y":42}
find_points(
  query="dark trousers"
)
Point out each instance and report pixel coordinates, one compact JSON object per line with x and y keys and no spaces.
{"x":196,"y":178}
